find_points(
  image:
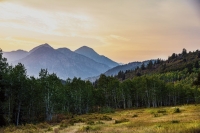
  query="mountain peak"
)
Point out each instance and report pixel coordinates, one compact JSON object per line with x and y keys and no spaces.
{"x":19,"y":50}
{"x":46,"y":45}
{"x":85,"y":49}
{"x":90,"y":53}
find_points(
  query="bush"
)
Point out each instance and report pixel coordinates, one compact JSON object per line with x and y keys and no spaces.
{"x":64,"y":123}
{"x":106,"y":118}
{"x":76,"y":120}
{"x":43,"y":125}
{"x":155,"y":115}
{"x":177,"y":110}
{"x":90,"y":123}
{"x":135,"y":115}
{"x":175,"y":121}
{"x":90,"y":128}
{"x":121,"y":121}
{"x":30,"y":126}
{"x":87,"y":128}
{"x":50,"y":129}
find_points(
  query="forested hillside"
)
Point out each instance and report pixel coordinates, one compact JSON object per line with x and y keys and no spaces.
{"x":176,"y":62}
{"x":26,"y":99}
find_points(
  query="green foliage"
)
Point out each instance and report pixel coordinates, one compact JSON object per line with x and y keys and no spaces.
{"x":143,"y":67}
{"x":150,"y":64}
{"x":49,"y":129}
{"x":177,"y":110}
{"x":25,"y":99}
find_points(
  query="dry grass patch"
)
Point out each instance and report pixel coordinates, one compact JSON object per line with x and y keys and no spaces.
{"x":169,"y":120}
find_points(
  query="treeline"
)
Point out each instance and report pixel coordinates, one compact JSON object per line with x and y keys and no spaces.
{"x":25,"y":99}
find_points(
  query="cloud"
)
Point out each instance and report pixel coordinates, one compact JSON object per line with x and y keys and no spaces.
{"x":106,"y":25}
{"x":55,"y":23}
{"x":119,"y":38}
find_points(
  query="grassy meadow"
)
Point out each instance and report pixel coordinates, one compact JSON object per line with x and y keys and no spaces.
{"x":179,"y":119}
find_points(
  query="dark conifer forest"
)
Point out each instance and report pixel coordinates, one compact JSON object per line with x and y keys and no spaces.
{"x":25,"y":99}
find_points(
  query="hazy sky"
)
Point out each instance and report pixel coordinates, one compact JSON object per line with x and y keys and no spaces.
{"x":123,"y":30}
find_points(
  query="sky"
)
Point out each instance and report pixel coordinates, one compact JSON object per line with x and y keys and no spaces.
{"x":123,"y":30}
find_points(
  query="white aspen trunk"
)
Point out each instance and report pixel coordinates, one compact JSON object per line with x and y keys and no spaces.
{"x":18,"y":113}
{"x":124,"y":100}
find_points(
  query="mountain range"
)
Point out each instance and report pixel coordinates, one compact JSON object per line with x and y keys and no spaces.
{"x":83,"y":62}
{"x":64,"y":62}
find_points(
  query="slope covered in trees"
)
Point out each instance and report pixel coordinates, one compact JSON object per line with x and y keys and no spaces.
{"x":175,"y":62}
{"x":26,"y":99}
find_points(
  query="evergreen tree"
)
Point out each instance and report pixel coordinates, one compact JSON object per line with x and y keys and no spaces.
{"x":196,"y":65}
{"x":3,"y":71}
{"x":143,"y":66}
{"x":184,"y":52}
{"x":150,"y":64}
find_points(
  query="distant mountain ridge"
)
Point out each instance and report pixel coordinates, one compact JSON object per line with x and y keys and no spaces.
{"x":90,"y":53}
{"x":15,"y":55}
{"x":64,"y":62}
{"x":129,"y":66}
{"x":114,"y":71}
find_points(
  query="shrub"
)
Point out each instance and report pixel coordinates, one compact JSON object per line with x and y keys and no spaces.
{"x":87,"y":128}
{"x":121,"y":121}
{"x":106,"y":118}
{"x":175,"y":121}
{"x":50,"y":129}
{"x":76,"y":120}
{"x":64,"y":123}
{"x":155,"y":115}
{"x":177,"y":110}
{"x":90,"y":128}
{"x":30,"y":126}
{"x":135,"y":115}
{"x":90,"y":123}
{"x":43,"y":125}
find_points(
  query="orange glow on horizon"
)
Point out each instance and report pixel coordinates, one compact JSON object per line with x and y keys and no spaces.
{"x":124,"y":31}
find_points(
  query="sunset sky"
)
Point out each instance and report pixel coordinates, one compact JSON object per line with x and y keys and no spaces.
{"x":123,"y":30}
